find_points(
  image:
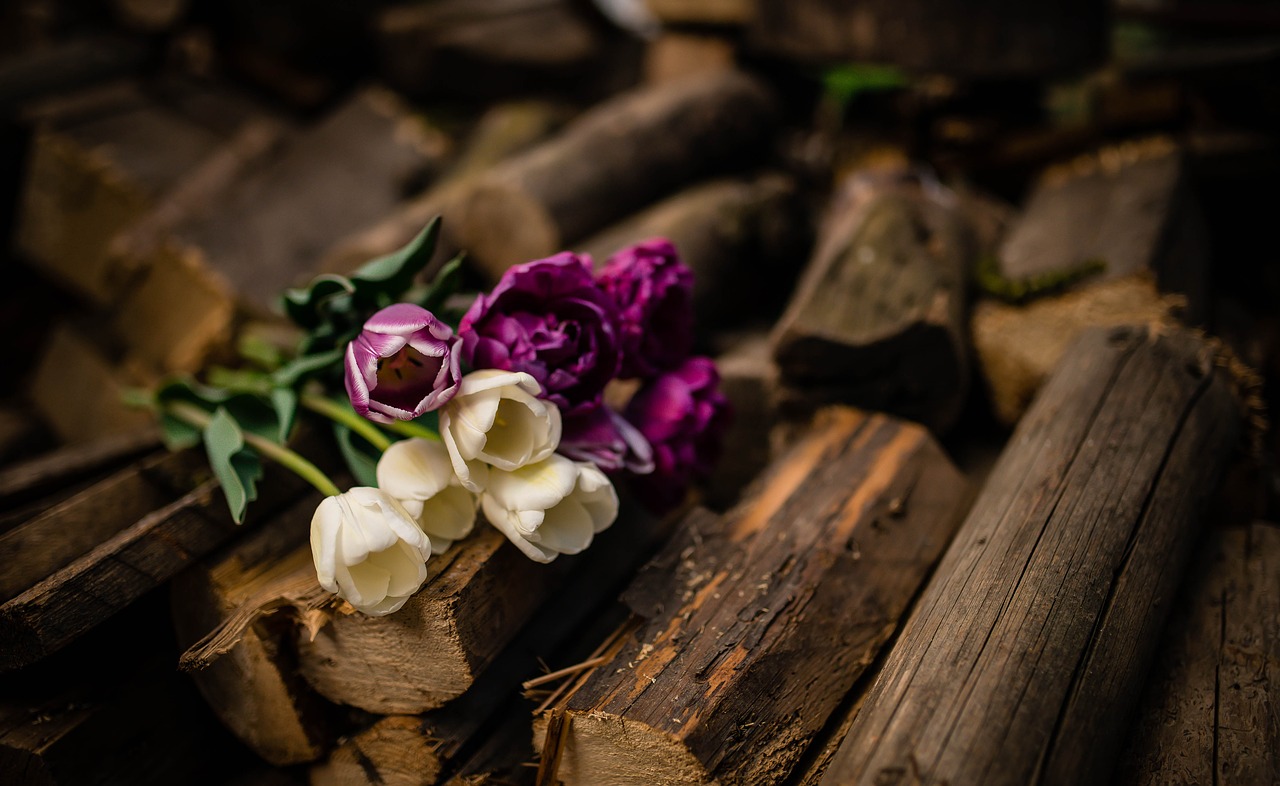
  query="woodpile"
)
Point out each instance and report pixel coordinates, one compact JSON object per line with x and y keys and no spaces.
{"x":994,"y":319}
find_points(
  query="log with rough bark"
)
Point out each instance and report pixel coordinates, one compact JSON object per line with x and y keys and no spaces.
{"x":148,"y":523}
{"x":878,"y":318}
{"x":733,"y":233}
{"x":756,"y":624}
{"x":1030,"y":646}
{"x":464,"y":623}
{"x":255,"y":689}
{"x":614,"y":159}
{"x":1211,"y":713}
{"x":990,"y":38}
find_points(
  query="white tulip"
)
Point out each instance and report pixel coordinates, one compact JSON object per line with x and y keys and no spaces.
{"x":368,"y":550}
{"x":418,"y":474}
{"x":553,"y":507}
{"x":497,"y":419}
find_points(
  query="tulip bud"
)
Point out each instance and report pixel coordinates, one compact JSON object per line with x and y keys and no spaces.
{"x":550,"y":508}
{"x":368,"y":550}
{"x":497,"y":419}
{"x":417,"y":473}
{"x":403,"y":364}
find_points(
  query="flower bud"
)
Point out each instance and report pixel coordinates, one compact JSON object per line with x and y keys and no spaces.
{"x":550,"y":508}
{"x":497,"y":419}
{"x":418,"y":474}
{"x":368,"y":550}
{"x":404,"y":363}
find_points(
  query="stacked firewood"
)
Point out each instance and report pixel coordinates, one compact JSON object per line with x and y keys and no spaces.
{"x":970,"y":524}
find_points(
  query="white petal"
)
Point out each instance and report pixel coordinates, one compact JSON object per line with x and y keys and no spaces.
{"x":534,"y":486}
{"x":451,"y":514}
{"x":491,"y":378}
{"x":414,"y":469}
{"x":567,"y":528}
{"x":597,"y":495}
{"x":498,"y":517}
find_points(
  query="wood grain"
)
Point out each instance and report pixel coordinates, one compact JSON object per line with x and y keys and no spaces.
{"x":756,"y":624}
{"x":1029,"y":648}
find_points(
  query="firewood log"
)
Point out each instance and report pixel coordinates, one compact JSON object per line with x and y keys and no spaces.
{"x":1209,"y":713}
{"x":464,"y":623}
{"x":748,"y":379}
{"x":878,"y":317}
{"x":47,"y":473}
{"x":616,"y":158}
{"x":1029,"y":648}
{"x":755,"y":625}
{"x":255,"y":689}
{"x":733,"y":233}
{"x":139,"y":550}
{"x":992,"y":38}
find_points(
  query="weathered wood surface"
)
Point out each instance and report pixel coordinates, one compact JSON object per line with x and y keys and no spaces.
{"x":733,"y":234}
{"x":47,"y":473}
{"x":615,"y":158}
{"x":756,"y":624}
{"x":255,"y":689}
{"x":878,"y":318}
{"x":1030,"y":646}
{"x":748,"y":379}
{"x":1211,"y":713}
{"x":991,"y":38}
{"x":192,"y":521}
{"x":1126,"y":208}
{"x":479,"y":595}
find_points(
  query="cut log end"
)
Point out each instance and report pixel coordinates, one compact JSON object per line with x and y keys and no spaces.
{"x":604,"y":748}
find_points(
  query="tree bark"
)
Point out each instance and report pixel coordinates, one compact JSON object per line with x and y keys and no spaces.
{"x":756,"y":624}
{"x":1029,"y":648}
{"x":1211,"y":713}
{"x":878,"y":318}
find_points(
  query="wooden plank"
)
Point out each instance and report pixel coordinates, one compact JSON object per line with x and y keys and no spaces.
{"x":756,"y":624}
{"x":138,"y":558}
{"x":878,"y":318}
{"x":1210,"y":710}
{"x":1030,"y":646}
{"x":44,"y":474}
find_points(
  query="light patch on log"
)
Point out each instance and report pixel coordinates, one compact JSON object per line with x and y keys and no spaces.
{"x":395,"y":751}
{"x":1018,"y":346}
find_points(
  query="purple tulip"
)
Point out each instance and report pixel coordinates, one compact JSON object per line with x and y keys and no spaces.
{"x":595,"y":433}
{"x":653,"y":291}
{"x":683,"y":415}
{"x":549,"y":319}
{"x":404,"y":363}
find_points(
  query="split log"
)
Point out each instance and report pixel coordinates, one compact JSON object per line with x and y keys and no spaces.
{"x":255,"y":689}
{"x":987,"y":39}
{"x":1210,"y":710}
{"x":733,"y":234}
{"x":678,"y":55}
{"x":1028,"y":650}
{"x":69,"y":65}
{"x":457,"y":637}
{"x":93,"y":407}
{"x":1019,"y":346}
{"x":878,"y":317}
{"x":59,"y":468}
{"x":756,"y":624}
{"x":354,"y":166}
{"x":144,"y":553}
{"x":748,"y":379}
{"x":397,"y":750}
{"x":703,"y":12}
{"x":616,"y":158}
{"x":103,"y":159}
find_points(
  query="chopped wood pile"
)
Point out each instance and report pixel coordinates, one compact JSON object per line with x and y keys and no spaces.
{"x":994,"y":308}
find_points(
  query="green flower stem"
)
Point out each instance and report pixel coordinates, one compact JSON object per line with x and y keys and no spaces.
{"x":411,"y":429}
{"x":346,"y":416}
{"x":290,"y":460}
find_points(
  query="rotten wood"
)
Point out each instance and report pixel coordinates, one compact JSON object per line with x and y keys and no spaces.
{"x":254,"y":688}
{"x":144,"y":554}
{"x":1029,"y":648}
{"x":732,"y":233}
{"x":878,"y":318}
{"x":756,"y":624}
{"x":1211,"y":713}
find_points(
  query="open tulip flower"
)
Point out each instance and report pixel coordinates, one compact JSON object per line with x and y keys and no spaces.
{"x":550,"y":508}
{"x":368,"y":550}
{"x":403,"y":364}
{"x":418,"y":474}
{"x":497,"y":420}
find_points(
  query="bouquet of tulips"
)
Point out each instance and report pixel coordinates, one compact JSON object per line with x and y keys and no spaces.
{"x":504,"y":405}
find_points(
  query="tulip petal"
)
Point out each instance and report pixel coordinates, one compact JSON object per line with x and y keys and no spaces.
{"x":414,"y":469}
{"x":535,"y":486}
{"x":498,"y":517}
{"x":450,"y":514}
{"x":369,"y":581}
{"x":568,"y":528}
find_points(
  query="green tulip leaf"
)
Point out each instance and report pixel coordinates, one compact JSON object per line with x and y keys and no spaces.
{"x":384,"y":280}
{"x":285,"y":403}
{"x":308,"y":307}
{"x":298,"y":369}
{"x":238,"y":470}
{"x":443,"y":286}
{"x":364,"y":467}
